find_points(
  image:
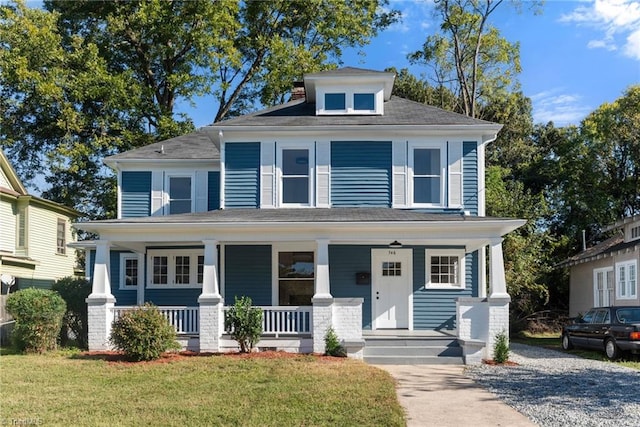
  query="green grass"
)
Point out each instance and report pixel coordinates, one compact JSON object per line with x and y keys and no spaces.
{"x":64,"y":388}
{"x":552,"y":341}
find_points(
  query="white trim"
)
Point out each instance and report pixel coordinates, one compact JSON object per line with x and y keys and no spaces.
{"x":461,"y":273}
{"x":349,"y":91}
{"x":604,"y":272}
{"x":267,"y":174}
{"x":122,"y":279}
{"x":278,"y":247}
{"x":399,"y":174}
{"x":417,"y":145}
{"x":626,"y":283}
{"x":171,"y":255}
{"x":455,"y":192}
{"x":482,"y":209}
{"x":288,"y":145}
{"x":378,"y":256}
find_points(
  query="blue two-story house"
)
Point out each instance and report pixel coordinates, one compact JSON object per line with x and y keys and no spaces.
{"x":345,"y":207}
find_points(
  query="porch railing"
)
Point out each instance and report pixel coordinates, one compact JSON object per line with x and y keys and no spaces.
{"x":183,"y":319}
{"x":284,"y":320}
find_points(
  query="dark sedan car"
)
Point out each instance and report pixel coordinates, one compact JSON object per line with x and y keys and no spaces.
{"x":611,"y":329}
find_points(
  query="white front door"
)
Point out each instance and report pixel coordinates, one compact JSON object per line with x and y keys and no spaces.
{"x":392,"y":279}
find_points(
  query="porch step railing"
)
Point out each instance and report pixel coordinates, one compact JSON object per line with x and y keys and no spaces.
{"x":284,"y":320}
{"x":184,"y":319}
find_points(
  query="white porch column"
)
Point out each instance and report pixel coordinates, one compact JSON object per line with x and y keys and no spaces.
{"x":140,"y":289}
{"x":482,"y":272}
{"x":100,"y":302}
{"x":322,"y":300}
{"x":210,"y":300}
{"x":498,"y":283}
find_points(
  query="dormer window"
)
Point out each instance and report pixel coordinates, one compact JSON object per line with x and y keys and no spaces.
{"x":334,"y":102}
{"x":350,"y":101}
{"x":364,"y":101}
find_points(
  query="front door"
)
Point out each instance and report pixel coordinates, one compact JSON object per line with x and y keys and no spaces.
{"x":391,"y":287}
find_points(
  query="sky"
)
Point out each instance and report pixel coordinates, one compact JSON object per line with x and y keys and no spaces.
{"x":575,"y":56}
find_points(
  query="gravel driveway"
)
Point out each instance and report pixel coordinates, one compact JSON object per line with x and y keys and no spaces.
{"x":553,"y":388}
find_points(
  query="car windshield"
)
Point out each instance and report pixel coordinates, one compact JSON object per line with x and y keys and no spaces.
{"x":628,"y":315}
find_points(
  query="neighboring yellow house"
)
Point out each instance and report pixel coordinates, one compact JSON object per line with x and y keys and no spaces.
{"x":34,"y":236}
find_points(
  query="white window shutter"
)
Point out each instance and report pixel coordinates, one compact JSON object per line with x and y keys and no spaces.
{"x":157,"y":193}
{"x":201,"y":190}
{"x":323,"y":174}
{"x":267,"y":174}
{"x":399,"y":172}
{"x":455,"y":174}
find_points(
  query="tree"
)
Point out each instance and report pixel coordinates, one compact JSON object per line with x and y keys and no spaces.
{"x":469,"y":55}
{"x":410,"y":87}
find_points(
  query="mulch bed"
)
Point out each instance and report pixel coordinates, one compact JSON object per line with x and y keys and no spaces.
{"x":117,"y":357}
{"x":494,"y":363}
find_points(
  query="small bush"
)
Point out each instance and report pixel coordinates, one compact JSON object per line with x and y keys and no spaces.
{"x":74,"y":291}
{"x":143,"y":333}
{"x":501,"y":348}
{"x":244,"y":323}
{"x":332,"y":346}
{"x":38,"y":314}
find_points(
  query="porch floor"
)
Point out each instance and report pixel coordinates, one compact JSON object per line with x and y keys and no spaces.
{"x":407,"y":333}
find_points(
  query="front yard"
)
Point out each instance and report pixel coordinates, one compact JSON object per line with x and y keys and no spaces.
{"x":71,"y":389}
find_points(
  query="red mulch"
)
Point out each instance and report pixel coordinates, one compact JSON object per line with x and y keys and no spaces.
{"x":494,"y":363}
{"x":119,"y":358}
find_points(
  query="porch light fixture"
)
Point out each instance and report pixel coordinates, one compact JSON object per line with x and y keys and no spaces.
{"x":395,"y":244}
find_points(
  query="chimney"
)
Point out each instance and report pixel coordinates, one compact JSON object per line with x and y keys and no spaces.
{"x":298,"y":91}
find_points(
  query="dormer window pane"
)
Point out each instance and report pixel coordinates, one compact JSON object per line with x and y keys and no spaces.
{"x":334,"y":101}
{"x":295,"y":176}
{"x":364,"y":101}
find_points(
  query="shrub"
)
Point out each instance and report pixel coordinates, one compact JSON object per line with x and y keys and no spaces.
{"x":38,"y":314}
{"x":332,"y":346}
{"x":143,"y":333}
{"x":74,"y":291}
{"x":244,"y":323}
{"x":501,"y":348}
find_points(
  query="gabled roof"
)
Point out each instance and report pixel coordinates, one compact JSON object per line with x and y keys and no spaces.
{"x":7,"y":170}
{"x":348,"y":76}
{"x":609,"y":247}
{"x":397,"y":112}
{"x":192,"y":146}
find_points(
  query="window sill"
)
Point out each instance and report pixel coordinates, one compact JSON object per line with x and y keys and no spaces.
{"x":444,"y":287}
{"x":174,"y":287}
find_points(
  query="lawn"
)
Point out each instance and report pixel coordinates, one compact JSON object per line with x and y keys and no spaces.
{"x":552,"y":341}
{"x":71,"y":389}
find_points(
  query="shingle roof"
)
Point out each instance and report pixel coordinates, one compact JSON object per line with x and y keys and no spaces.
{"x":194,"y":145}
{"x":347,"y":71}
{"x":605,"y":248}
{"x":240,"y":215}
{"x":397,"y":111}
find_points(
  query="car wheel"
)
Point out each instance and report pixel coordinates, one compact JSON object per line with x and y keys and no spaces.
{"x":611,"y":349}
{"x":566,"y":342}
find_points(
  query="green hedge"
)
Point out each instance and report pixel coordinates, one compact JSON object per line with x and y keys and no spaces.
{"x":74,"y":291}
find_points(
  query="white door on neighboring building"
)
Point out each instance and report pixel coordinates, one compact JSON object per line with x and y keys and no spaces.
{"x":392,"y":282}
{"x":603,"y":287}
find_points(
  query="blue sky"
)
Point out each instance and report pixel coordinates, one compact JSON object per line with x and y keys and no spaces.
{"x":575,"y":56}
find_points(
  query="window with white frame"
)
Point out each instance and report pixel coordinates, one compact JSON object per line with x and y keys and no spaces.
{"x":294,"y":163}
{"x":445,"y":269}
{"x":427,"y":167}
{"x":129,"y":271}
{"x":180,"y":193}
{"x":335,"y":101}
{"x":296,"y":278}
{"x":635,"y":232}
{"x":627,"y":280}
{"x":61,"y":237}
{"x":603,"y":287}
{"x":177,"y":268}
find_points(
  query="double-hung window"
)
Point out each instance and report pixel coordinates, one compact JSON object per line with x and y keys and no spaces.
{"x":427,"y":167}
{"x":180,"y":192}
{"x":178,"y":268}
{"x":61,"y":237}
{"x":129,"y":271}
{"x":21,"y":240}
{"x":445,"y":269}
{"x":295,"y":164}
{"x":627,"y":280}
{"x":603,"y":287}
{"x":296,"y":278}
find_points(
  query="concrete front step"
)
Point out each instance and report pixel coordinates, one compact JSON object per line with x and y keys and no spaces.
{"x":403,"y":350}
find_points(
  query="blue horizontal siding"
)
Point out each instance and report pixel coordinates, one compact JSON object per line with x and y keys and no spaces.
{"x":242,"y":168}
{"x":470,"y":176}
{"x":344,"y":262}
{"x":173,"y":296}
{"x":247,"y":271}
{"x":213,"y":191}
{"x":360,"y":173}
{"x":135,"y":191}
{"x":436,"y":308}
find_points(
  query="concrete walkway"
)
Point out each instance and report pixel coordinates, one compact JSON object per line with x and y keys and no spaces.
{"x":442,"y":396}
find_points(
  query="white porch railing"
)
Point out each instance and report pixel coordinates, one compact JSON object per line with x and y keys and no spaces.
{"x":183,"y":319}
{"x":284,"y":320}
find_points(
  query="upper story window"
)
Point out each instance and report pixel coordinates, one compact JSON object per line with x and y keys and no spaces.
{"x":635,"y":232}
{"x":61,"y":237}
{"x":427,"y":175}
{"x":364,"y":101}
{"x":334,"y":101}
{"x":21,"y":238}
{"x":295,"y":177}
{"x":180,"y":191}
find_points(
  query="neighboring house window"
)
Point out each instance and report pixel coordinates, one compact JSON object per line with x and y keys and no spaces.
{"x":295,"y":278}
{"x":61,"y":237}
{"x":427,"y":172}
{"x":627,"y":280}
{"x":21,"y":240}
{"x":179,"y":268}
{"x":335,"y":101}
{"x":129,"y":273}
{"x":445,"y":268}
{"x":635,"y":232}
{"x":364,"y":101}
{"x":180,"y":194}
{"x":603,"y":287}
